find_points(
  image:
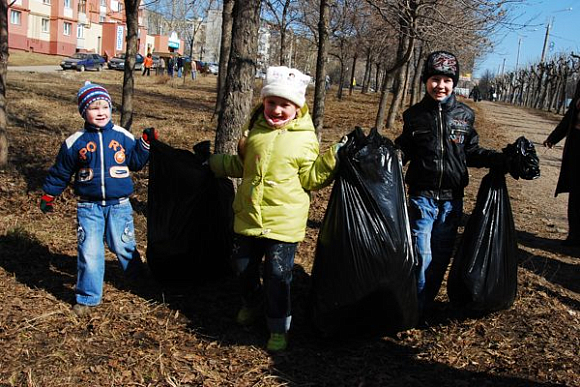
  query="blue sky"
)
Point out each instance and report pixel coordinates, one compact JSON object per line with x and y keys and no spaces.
{"x":531,"y":18}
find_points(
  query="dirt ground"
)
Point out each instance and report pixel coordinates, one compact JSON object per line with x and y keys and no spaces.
{"x":146,"y":334}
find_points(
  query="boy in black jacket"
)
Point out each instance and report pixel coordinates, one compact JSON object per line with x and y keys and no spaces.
{"x":440,"y":142}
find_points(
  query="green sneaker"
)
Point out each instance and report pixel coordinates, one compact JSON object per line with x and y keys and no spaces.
{"x":248,"y":315}
{"x":277,"y":342}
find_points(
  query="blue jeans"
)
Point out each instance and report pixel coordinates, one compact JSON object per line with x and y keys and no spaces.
{"x":96,"y":224}
{"x":433,"y":229}
{"x":247,"y":256}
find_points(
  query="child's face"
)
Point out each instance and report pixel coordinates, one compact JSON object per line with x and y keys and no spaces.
{"x":98,"y":113}
{"x":439,"y":87}
{"x":279,"y":111}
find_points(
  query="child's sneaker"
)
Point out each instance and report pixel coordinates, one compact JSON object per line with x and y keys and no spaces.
{"x":248,"y":315}
{"x":277,"y":342}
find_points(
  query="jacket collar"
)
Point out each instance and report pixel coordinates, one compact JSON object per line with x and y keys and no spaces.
{"x":94,"y":128}
{"x":433,"y":104}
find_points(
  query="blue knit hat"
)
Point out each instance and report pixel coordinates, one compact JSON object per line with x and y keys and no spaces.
{"x":90,"y":93}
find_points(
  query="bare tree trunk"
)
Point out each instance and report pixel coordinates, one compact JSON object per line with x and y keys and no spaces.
{"x":3,"y":70}
{"x":405,"y":51}
{"x":340,"y":80}
{"x":397,"y":97}
{"x":225,"y":46}
{"x":378,"y":85}
{"x":132,"y":14}
{"x":406,"y":82}
{"x":320,"y":85}
{"x":367,"y":76}
{"x":383,"y":102}
{"x":239,"y":89}
{"x":352,"y":81}
{"x":416,"y":83}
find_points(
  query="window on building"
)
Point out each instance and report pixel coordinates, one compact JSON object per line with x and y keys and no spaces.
{"x":46,"y":2}
{"x":103,"y":3}
{"x":67,"y":3}
{"x":67,"y":28}
{"x":80,"y":31}
{"x":82,"y":8}
{"x":45,"y":25}
{"x":15,"y":17}
{"x":102,"y":19}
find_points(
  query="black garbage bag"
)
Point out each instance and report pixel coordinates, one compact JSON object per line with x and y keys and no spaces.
{"x":523,"y":160}
{"x":363,"y":278}
{"x":189,"y":216}
{"x":483,"y":275}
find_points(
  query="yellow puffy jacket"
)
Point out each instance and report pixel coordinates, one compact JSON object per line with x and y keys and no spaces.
{"x":280,"y":167}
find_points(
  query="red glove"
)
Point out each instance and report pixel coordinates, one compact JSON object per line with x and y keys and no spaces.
{"x":46,"y":203}
{"x":150,"y":134}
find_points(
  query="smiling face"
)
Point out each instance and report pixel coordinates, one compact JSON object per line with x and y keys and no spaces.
{"x":98,"y":113}
{"x":439,"y":87}
{"x":279,"y":111}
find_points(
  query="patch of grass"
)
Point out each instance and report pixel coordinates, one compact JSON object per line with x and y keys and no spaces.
{"x":23,"y":58}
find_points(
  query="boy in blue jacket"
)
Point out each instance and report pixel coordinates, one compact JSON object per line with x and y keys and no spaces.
{"x":100,"y":156}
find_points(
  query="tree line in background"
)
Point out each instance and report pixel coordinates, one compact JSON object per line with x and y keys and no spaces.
{"x":382,"y":44}
{"x":388,"y":39}
{"x":547,"y":85}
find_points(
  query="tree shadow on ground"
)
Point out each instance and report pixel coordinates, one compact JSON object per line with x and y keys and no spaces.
{"x":33,"y":265}
{"x":553,"y":270}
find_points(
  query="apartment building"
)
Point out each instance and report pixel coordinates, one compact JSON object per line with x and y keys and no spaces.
{"x":63,"y":27}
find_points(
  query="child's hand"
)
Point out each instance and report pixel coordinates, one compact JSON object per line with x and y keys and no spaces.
{"x":46,"y":203}
{"x":242,"y":145}
{"x":149,"y":134}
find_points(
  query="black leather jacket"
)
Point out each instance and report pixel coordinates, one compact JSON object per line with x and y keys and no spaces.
{"x":440,"y":142}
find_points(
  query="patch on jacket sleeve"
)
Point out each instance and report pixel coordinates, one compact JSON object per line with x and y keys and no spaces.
{"x":119,"y":172}
{"x":85,"y":174}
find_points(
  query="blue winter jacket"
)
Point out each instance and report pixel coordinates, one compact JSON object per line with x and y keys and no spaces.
{"x":101,"y":160}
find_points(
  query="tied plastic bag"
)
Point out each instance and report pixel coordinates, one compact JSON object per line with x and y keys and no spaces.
{"x":523,"y":159}
{"x":363,"y":277}
{"x":189,"y":216}
{"x":483,"y":275}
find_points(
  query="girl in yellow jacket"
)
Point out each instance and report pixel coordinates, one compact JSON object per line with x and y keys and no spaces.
{"x":279,"y":163}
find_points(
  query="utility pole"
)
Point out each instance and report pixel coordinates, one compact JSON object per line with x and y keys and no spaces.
{"x":550,"y":22}
{"x":518,"y":56}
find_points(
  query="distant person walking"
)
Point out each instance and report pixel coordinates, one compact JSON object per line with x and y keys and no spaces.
{"x":170,"y":66}
{"x":147,"y":64}
{"x":193,"y":70}
{"x":179,"y":66}
{"x":161,"y":67}
{"x":475,"y":94}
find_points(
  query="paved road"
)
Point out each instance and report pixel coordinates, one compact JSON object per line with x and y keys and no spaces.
{"x":36,"y":69}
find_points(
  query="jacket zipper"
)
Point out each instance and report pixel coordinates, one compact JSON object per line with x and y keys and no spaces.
{"x":442,"y":152}
{"x":102,"y":154}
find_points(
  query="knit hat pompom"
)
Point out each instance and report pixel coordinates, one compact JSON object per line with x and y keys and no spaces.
{"x":90,"y":93}
{"x":441,"y":63}
{"x":286,"y":83}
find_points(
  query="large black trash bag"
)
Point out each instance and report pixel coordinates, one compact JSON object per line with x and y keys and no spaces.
{"x":523,"y":161}
{"x":189,"y":216}
{"x":483,"y":276}
{"x":363,"y":277}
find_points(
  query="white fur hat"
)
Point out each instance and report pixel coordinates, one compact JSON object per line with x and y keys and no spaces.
{"x":286,"y":83}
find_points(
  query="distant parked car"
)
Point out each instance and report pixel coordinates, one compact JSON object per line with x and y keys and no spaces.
{"x":82,"y":61}
{"x":213,"y":68}
{"x":118,"y":62}
{"x":156,"y":60}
